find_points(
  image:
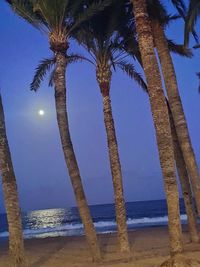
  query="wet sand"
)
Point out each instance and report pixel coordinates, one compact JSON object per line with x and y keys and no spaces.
{"x":149,"y":248}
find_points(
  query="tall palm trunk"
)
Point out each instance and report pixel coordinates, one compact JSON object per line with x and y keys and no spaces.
{"x":103,"y":77}
{"x":16,"y":243}
{"x":185,"y":184}
{"x":177,"y":109}
{"x":70,"y":158}
{"x":161,"y":122}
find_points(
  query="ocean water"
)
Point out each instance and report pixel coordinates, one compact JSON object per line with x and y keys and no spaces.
{"x":66,"y":222}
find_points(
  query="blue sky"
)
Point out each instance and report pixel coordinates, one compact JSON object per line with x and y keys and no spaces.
{"x":41,"y":173}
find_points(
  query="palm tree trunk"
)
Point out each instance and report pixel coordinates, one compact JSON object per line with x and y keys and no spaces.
{"x":161,"y":122}
{"x":177,"y":109}
{"x":185,"y":184}
{"x":16,"y":243}
{"x":70,"y":158}
{"x":115,"y":169}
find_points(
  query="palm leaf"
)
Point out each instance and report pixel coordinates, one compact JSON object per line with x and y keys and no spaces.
{"x":157,"y":10}
{"x":196,"y":46}
{"x":180,"y":6}
{"x":89,"y":12}
{"x":193,"y":13}
{"x":51,"y":78}
{"x":85,"y":37}
{"x":24,"y":9}
{"x":53,"y":11}
{"x":72,"y":58}
{"x":44,"y":66}
{"x":180,"y":50}
{"x":129,"y":69}
{"x":170,"y":18}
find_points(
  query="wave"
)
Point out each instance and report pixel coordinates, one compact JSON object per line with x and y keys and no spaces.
{"x":76,"y":229}
{"x":154,"y":220}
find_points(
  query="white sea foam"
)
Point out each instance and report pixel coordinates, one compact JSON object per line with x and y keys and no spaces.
{"x":101,"y":226}
{"x":155,"y":220}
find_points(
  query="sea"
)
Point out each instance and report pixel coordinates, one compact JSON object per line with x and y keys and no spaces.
{"x":67,"y":222}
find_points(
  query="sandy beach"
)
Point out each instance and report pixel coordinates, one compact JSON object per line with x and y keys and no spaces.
{"x":150,"y":247}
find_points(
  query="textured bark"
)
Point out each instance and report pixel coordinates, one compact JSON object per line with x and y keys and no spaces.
{"x":116,"y":175}
{"x":185,"y":184}
{"x":103,"y":74}
{"x":62,"y":118}
{"x":177,"y":109}
{"x":16,"y":243}
{"x":161,"y":122}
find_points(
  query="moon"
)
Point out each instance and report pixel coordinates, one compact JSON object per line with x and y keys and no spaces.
{"x":41,"y":112}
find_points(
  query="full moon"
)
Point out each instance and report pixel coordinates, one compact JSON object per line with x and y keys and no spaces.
{"x":41,"y":112}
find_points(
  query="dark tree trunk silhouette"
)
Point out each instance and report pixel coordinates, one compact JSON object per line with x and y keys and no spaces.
{"x":103,"y":74}
{"x":70,"y":158}
{"x":177,"y":108}
{"x":161,"y":122}
{"x":16,"y":243}
{"x":185,"y":184}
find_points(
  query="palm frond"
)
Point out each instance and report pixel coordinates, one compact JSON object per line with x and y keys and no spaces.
{"x":180,"y":7}
{"x":157,"y":10}
{"x":129,"y":69}
{"x":44,"y":66}
{"x":51,"y":78}
{"x":53,"y":12}
{"x":24,"y":9}
{"x":193,"y":13}
{"x":130,"y":45}
{"x":89,"y":12}
{"x":196,"y":46}
{"x":180,"y":50}
{"x":170,"y":18}
{"x":85,"y":37}
{"x":72,"y":58}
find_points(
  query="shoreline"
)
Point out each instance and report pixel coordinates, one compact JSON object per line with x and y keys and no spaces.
{"x":149,"y":248}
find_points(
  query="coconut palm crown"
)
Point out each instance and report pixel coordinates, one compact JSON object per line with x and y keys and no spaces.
{"x":57,"y":18}
{"x":105,"y":45}
{"x":101,"y":38}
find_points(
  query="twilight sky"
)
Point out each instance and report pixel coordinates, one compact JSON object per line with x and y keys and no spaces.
{"x":41,"y":172}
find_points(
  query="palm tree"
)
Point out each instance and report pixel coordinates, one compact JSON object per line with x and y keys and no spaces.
{"x":58,"y":19}
{"x":48,"y":64}
{"x":163,"y":132}
{"x":180,"y":164}
{"x":185,"y":183}
{"x":100,"y":38}
{"x":16,"y":243}
{"x":103,"y":45}
{"x":156,"y":13}
{"x":130,"y":45}
{"x":161,"y":122}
